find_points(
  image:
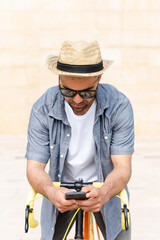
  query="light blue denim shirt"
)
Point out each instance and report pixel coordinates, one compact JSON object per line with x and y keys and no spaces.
{"x":49,"y":135}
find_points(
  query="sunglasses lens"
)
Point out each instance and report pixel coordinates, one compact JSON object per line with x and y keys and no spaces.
{"x":71,"y":93}
{"x":68,"y":93}
{"x":87,"y":94}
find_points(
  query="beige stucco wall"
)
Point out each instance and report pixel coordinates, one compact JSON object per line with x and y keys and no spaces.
{"x":128,"y":32}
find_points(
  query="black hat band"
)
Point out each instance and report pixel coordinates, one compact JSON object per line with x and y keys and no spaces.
{"x":80,"y":68}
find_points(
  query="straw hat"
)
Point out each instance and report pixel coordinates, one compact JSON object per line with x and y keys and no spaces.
{"x":78,"y":59}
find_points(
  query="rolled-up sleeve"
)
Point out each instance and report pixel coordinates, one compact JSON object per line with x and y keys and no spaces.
{"x":122,"y":141}
{"x":38,"y":137}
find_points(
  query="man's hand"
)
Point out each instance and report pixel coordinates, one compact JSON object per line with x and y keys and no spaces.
{"x":42,"y":183}
{"x":57,"y":197}
{"x":95,"y":201}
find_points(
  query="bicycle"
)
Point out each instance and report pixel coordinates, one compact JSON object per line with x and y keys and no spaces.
{"x":85,"y":233}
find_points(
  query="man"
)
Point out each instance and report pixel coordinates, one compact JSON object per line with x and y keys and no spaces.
{"x":86,"y":130}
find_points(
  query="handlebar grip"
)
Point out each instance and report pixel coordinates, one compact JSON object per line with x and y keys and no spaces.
{"x":56,"y":184}
{"x":98,"y":184}
{"x":30,"y":202}
{"x":125,"y":211}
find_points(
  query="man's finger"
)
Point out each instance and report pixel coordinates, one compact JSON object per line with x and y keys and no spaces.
{"x":87,"y":203}
{"x":68,"y":208}
{"x":93,"y":193}
{"x":87,"y":188}
{"x":91,"y":209}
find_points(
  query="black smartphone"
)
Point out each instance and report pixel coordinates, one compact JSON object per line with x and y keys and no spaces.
{"x":76,"y":195}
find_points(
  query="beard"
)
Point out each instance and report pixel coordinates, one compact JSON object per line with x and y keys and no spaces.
{"x":81,"y":108}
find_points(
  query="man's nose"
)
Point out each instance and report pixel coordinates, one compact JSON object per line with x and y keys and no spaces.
{"x":77,"y":99}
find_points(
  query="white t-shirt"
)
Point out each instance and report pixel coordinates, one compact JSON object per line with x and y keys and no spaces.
{"x":80,"y":161}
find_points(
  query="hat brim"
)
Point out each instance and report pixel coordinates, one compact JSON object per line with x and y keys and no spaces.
{"x":51,"y":64}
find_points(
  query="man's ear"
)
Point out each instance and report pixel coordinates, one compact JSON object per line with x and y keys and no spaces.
{"x":99,"y":78}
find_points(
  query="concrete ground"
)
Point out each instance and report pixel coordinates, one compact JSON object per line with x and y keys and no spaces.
{"x":144,"y":190}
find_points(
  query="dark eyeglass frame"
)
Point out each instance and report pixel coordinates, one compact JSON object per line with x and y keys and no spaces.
{"x":75,"y":92}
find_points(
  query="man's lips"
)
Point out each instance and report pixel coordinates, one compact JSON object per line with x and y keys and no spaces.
{"x":77,"y":106}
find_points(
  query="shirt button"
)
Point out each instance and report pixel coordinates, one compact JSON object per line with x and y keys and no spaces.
{"x":106,"y":137}
{"x":51,"y":147}
{"x":61,"y":156}
{"x":68,"y":135}
{"x":52,"y":229}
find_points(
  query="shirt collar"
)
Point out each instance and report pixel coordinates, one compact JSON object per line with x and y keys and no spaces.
{"x":57,"y":110}
{"x":102,"y":100}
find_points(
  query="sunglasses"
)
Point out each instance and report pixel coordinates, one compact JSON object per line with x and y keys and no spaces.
{"x":67,"y":92}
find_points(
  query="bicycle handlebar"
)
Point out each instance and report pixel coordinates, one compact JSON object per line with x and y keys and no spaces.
{"x":77,"y":185}
{"x":29,"y":211}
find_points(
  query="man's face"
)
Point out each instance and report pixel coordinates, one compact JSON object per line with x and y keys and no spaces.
{"x":79,"y":105}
